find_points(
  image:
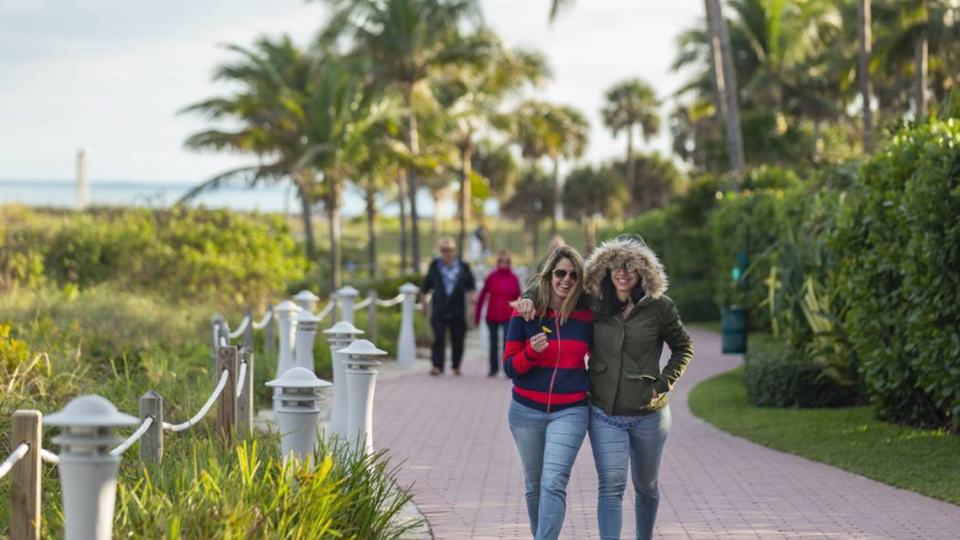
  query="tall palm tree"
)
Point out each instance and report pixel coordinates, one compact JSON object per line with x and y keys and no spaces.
{"x":471,"y":96}
{"x":407,"y":41}
{"x":545,"y":130}
{"x":268,"y":109}
{"x":630,"y":104}
{"x":343,"y":110}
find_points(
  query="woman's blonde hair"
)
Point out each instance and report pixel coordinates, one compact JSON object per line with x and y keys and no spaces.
{"x":545,"y":284}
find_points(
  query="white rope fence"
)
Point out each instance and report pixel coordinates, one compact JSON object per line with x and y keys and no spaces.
{"x":147,"y":422}
{"x":14,"y":457}
{"x":326,"y":310}
{"x":263,"y":322}
{"x":395,"y":301}
{"x":49,"y":456}
{"x":204,"y":410}
{"x":363,"y":303}
{"x":223,"y":342}
{"x":242,"y":375}
{"x":243,"y":326}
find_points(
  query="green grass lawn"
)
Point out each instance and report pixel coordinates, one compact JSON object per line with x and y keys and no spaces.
{"x":852,"y":439}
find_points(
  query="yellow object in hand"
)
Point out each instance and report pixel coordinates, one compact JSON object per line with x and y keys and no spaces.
{"x":547,"y":330}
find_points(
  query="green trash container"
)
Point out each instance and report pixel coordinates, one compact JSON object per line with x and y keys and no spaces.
{"x":733,"y":323}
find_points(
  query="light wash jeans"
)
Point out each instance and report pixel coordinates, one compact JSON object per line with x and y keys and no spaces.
{"x":614,"y":439}
{"x":548,"y":445}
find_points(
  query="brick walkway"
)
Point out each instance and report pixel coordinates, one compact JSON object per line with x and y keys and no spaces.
{"x":452,"y":436}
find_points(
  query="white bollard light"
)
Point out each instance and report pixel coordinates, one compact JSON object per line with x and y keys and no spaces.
{"x":307,"y":300}
{"x":407,"y":346}
{"x":348,"y":297}
{"x":306,"y":334}
{"x":297,"y":413}
{"x":88,"y":473}
{"x":361,"y":383}
{"x":287,"y":327}
{"x":341,"y":335}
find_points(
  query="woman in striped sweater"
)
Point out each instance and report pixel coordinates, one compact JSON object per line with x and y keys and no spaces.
{"x":548,"y":415}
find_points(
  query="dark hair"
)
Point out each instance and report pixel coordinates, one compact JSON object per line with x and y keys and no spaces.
{"x":610,"y":303}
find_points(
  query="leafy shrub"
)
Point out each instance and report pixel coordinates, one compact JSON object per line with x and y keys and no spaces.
{"x":776,"y":376}
{"x":194,"y":255}
{"x":754,"y":222}
{"x":898,"y":237}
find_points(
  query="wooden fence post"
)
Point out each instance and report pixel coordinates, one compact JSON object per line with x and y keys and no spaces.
{"x":151,"y":444}
{"x":227,"y":405}
{"x":372,"y":316}
{"x":25,"y":522}
{"x":245,"y":399}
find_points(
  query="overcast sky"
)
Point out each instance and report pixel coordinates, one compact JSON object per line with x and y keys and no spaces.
{"x":110,"y":75}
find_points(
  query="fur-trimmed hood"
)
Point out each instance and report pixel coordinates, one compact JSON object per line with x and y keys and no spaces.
{"x":626,"y":249}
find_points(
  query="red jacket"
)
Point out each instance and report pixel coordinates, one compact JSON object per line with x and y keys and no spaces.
{"x":502,"y":286}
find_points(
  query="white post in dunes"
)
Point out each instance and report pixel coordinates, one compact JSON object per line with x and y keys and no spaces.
{"x":83,"y":181}
{"x":407,"y":345}
{"x":341,"y":335}
{"x":307,"y":300}
{"x":306,"y":334}
{"x":88,"y":472}
{"x":348,"y":296}
{"x":287,"y":327}
{"x":361,"y":382}
{"x":297,"y":413}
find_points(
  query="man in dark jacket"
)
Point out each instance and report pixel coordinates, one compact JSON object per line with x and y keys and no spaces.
{"x":450,"y":284}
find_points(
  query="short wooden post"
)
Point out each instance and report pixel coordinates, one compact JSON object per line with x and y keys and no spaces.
{"x":25,"y":523}
{"x":245,"y":399}
{"x":372,"y":316}
{"x":248,"y":331}
{"x":227,"y":404}
{"x":269,"y":334}
{"x":151,"y":444}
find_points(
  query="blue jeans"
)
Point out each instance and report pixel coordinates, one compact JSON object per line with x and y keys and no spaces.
{"x":615,"y":441}
{"x":548,"y":445}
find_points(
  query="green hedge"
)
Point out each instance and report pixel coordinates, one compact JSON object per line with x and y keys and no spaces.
{"x":191,"y":255}
{"x":776,"y":376}
{"x":898,"y":237}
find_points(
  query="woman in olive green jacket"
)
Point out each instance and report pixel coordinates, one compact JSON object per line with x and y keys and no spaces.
{"x":629,"y":414}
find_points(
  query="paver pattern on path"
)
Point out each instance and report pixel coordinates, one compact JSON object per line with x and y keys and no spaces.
{"x":452,"y":437}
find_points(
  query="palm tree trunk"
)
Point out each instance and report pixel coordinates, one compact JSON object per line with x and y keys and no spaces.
{"x":631,"y":174}
{"x":307,"y":216}
{"x":734,"y":135}
{"x":402,"y":199}
{"x":556,"y":197}
{"x":866,"y":92}
{"x":413,"y":140}
{"x":716,"y":65}
{"x":921,"y":68}
{"x":437,"y":218}
{"x":333,"y":209}
{"x":372,"y":265}
{"x":591,"y":233}
{"x":466,"y":199}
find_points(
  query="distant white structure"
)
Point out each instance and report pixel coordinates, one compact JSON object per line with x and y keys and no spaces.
{"x":83,"y":181}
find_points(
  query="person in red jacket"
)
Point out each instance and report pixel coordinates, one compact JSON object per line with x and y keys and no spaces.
{"x":501,"y":287}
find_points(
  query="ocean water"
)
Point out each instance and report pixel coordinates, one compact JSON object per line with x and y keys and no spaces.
{"x":62,"y":194}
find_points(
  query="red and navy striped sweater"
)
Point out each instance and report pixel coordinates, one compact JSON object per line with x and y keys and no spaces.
{"x":556,"y":377}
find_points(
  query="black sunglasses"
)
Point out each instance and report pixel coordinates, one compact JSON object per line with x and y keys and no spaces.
{"x":560,"y":274}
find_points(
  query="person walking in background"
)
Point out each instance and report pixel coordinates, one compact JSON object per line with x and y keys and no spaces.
{"x":449,"y":284}
{"x":629,"y":413}
{"x":548,"y":416}
{"x":500,"y":288}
